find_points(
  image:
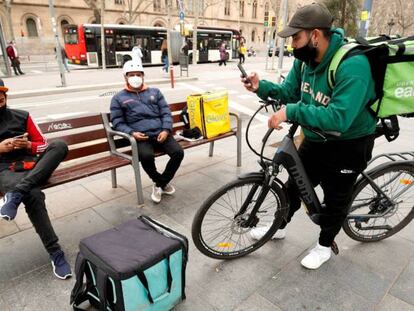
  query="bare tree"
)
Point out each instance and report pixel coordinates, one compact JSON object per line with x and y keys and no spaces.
{"x":205,"y":4}
{"x":133,"y":8}
{"x":345,"y":13}
{"x":391,"y":16}
{"x":96,"y":7}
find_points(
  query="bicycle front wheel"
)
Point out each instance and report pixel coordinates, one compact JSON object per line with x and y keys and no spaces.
{"x":219,"y":228}
{"x":372,"y":216}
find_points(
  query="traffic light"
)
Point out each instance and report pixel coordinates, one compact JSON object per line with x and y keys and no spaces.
{"x":266,"y":19}
{"x":273,"y":21}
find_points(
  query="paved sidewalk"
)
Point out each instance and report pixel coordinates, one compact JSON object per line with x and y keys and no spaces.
{"x":377,"y":276}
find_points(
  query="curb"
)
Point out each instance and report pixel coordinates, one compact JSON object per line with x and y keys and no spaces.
{"x":80,"y":88}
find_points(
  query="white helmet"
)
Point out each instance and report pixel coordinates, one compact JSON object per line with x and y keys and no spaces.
{"x":131,"y":66}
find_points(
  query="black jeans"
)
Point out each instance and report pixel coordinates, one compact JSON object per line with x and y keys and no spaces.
{"x":334,"y":166}
{"x":16,"y":66}
{"x":241,"y":58}
{"x":146,"y":156}
{"x":29,"y":183}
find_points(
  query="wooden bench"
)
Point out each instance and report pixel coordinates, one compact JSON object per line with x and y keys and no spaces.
{"x":118,"y":140}
{"x":89,"y":150}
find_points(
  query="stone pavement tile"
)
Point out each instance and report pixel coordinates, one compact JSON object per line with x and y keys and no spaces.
{"x":126,"y":178}
{"x":404,"y":286}
{"x":23,"y":252}
{"x":391,"y":303}
{"x":22,"y":220}
{"x":7,"y":228}
{"x":257,"y":303}
{"x":296,"y":288}
{"x":102,"y":188}
{"x":39,"y":291}
{"x":125,"y":208}
{"x":408,"y":232}
{"x":3,"y":305}
{"x":70,"y":200}
{"x":194,"y":300}
{"x":385,"y":258}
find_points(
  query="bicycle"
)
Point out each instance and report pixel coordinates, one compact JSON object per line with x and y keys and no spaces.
{"x":222,"y":224}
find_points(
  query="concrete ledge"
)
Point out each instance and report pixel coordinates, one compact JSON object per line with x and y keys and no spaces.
{"x":80,"y":88}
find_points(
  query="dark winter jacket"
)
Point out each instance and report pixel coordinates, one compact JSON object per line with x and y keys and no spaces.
{"x":146,"y":112}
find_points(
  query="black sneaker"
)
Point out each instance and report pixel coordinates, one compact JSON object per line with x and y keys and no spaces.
{"x":9,"y":205}
{"x":61,"y":267}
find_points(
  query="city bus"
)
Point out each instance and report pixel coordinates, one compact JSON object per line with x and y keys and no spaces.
{"x":236,"y":38}
{"x":83,"y":44}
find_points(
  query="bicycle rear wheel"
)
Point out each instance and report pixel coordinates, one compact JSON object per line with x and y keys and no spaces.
{"x":218,"y":231}
{"x":372,"y":217}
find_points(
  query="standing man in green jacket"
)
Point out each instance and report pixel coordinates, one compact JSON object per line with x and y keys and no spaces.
{"x":336,"y":163}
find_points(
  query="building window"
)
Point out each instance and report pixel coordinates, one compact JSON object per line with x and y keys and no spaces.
{"x":63,"y":23}
{"x":119,"y":1}
{"x":227,"y":7}
{"x":254,"y":11}
{"x":241,"y":8}
{"x":31,"y":27}
{"x":253,"y":35}
{"x":157,"y":5}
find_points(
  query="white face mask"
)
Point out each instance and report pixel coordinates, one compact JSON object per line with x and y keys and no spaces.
{"x":135,"y":81}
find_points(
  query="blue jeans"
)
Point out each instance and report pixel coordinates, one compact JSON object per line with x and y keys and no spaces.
{"x":165,"y":63}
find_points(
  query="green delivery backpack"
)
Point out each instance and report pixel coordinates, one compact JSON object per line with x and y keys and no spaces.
{"x":392,"y":66}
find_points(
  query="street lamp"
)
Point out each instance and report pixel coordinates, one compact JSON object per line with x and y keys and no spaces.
{"x":390,"y":24}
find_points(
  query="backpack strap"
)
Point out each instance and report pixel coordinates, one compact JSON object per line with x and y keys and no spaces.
{"x":339,"y":56}
{"x":101,"y":286}
{"x":79,"y":292}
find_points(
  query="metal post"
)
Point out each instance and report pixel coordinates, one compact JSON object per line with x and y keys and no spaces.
{"x":195,"y":46}
{"x":238,"y":16}
{"x":284,"y":13}
{"x":103,"y":35}
{"x":57,"y":43}
{"x":170,"y":63}
{"x":363,"y":26}
{"x":3,"y":49}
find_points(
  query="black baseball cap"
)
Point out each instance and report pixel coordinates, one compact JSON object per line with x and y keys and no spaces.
{"x":2,"y":87}
{"x":312,"y":16}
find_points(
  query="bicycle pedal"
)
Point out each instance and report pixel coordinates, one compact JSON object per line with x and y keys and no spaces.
{"x":335,"y":248}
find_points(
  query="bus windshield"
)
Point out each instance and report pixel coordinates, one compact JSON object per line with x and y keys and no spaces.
{"x":71,"y":35}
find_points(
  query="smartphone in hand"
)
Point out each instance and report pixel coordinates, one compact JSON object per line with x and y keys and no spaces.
{"x":20,"y":136}
{"x":243,"y":72}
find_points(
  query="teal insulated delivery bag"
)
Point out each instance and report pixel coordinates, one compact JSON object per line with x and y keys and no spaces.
{"x":136,"y":266}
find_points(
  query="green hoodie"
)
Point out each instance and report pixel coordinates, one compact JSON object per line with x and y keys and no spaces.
{"x":310,"y":101}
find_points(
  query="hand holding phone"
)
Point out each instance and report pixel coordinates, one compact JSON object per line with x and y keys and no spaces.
{"x":243,"y":72}
{"x":20,"y":136}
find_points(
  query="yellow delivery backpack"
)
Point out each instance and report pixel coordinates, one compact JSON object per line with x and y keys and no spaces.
{"x":209,"y":112}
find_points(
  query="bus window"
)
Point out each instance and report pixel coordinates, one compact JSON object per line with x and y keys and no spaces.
{"x":123,"y":43}
{"x":71,"y":36}
{"x":156,"y":43}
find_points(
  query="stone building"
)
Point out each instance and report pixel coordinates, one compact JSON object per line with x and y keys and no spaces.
{"x":32,"y":27}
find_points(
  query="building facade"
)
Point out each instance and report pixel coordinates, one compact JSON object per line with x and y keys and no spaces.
{"x":31,"y":25}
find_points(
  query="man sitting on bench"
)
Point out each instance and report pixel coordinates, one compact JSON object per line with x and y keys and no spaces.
{"x":142,"y":112}
{"x":26,"y":163}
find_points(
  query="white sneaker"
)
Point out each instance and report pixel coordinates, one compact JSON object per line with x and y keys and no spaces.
{"x":316,"y":257}
{"x":168,"y":189}
{"x":156,"y":194}
{"x":259,"y":232}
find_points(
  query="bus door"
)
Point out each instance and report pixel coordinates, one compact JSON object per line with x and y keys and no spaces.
{"x":110,"y":50}
{"x":144,"y":42}
{"x":202,"y":48}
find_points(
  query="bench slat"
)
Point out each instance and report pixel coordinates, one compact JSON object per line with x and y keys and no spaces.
{"x":67,"y":124}
{"x":177,"y":106}
{"x":72,"y":139}
{"x":86,"y":169}
{"x":87,"y":151}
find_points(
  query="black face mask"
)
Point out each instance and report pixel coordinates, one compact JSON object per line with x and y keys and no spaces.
{"x":306,"y":53}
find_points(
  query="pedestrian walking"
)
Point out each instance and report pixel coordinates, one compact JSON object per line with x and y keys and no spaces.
{"x":223,"y":55}
{"x":164,"y":56}
{"x":242,"y":53}
{"x":14,"y":58}
{"x":64,"y":58}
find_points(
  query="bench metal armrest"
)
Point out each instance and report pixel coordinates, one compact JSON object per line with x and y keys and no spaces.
{"x":111,"y":133}
{"x":238,"y":121}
